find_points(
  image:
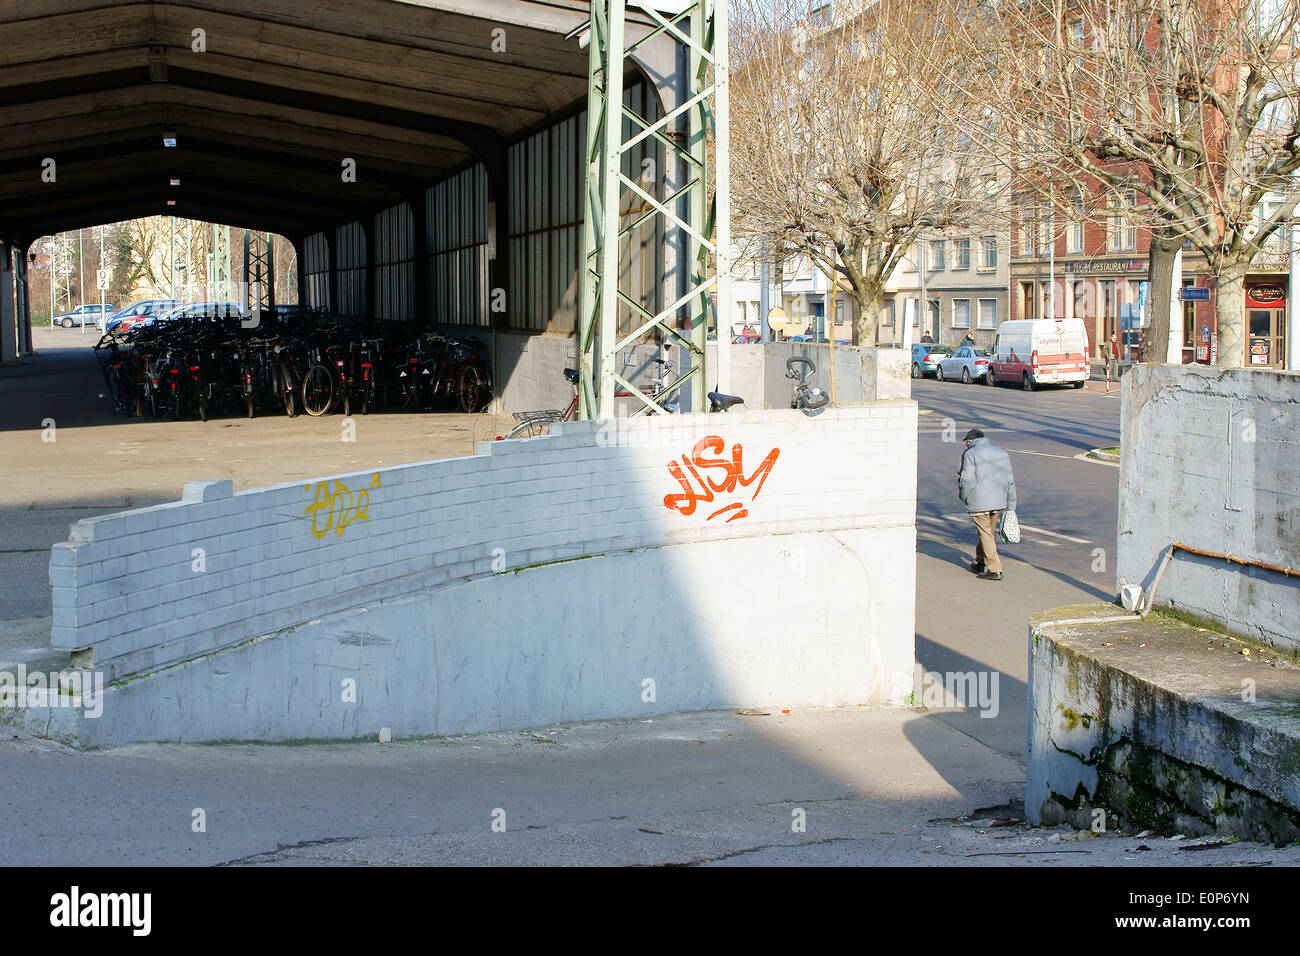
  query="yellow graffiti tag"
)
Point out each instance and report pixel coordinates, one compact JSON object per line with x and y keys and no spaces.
{"x":337,"y":508}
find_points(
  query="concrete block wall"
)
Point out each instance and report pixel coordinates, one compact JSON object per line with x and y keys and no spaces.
{"x":1211,"y":458}
{"x":527,"y":370}
{"x":155,"y":587}
{"x":758,"y":373}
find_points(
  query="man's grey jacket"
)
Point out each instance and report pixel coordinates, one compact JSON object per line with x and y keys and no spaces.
{"x":985,"y":482}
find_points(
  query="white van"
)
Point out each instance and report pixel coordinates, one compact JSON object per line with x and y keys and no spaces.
{"x":1032,"y":352}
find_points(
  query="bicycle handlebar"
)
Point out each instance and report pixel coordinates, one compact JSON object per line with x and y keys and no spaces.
{"x":799,"y":360}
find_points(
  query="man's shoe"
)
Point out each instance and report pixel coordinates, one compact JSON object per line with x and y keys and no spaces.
{"x":992,"y":575}
{"x":976,"y":567}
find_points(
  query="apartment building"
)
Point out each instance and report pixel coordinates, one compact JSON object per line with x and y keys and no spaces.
{"x":1092,"y":263}
{"x":966,"y":282}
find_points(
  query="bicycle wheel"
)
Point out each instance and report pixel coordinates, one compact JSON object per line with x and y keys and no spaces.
{"x":533,"y":428}
{"x":116,"y":393}
{"x":317,"y":390}
{"x":469,"y":391}
{"x":285,"y":382}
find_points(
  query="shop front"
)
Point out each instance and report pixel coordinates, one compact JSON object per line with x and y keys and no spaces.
{"x":1266,"y":324}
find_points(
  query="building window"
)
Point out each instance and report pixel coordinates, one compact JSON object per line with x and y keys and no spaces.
{"x":1134,"y":292}
{"x":963,"y":254}
{"x":1074,"y":237}
{"x":1045,"y":238}
{"x":1028,"y":218}
{"x":989,"y":254}
{"x":937,"y":255}
{"x":1074,"y":231}
{"x":1121,"y":223}
{"x":988,"y":318}
{"x":961,"y":313}
{"x":1080,"y":301}
{"x":889,"y":312}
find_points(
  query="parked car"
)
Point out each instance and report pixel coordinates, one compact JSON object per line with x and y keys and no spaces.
{"x":966,"y":363}
{"x":89,"y":314}
{"x":926,"y":357}
{"x":747,"y":338}
{"x":123,"y":319}
{"x":1033,"y":352}
{"x":231,"y":310}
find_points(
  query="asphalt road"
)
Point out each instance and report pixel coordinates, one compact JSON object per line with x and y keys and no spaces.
{"x":1067,"y":505}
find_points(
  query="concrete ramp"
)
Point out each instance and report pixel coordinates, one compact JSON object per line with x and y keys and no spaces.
{"x":610,"y":570}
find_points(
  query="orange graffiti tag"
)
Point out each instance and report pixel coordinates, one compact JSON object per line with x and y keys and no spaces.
{"x":721,"y":476}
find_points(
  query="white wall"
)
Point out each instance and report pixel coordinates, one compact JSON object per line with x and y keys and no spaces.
{"x":457,"y":585}
{"x":1211,"y":458}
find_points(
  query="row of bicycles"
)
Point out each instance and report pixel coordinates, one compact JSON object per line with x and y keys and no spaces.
{"x":292,"y":361}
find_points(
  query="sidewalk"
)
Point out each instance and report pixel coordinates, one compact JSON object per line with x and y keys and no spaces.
{"x":875,"y":786}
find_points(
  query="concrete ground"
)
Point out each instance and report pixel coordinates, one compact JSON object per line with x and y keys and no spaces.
{"x":99,"y":462}
{"x":876,"y":785}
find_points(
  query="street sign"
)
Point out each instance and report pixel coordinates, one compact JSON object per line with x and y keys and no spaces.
{"x":777,"y":319}
{"x":1130,"y":316}
{"x":1194,"y":295}
{"x":101,"y":279}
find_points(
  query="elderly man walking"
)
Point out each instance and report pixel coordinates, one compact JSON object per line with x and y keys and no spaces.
{"x":986,"y":487}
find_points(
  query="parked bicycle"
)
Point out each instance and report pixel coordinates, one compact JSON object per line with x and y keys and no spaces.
{"x":538,"y":423}
{"x":200,"y":361}
{"x":802,"y":396}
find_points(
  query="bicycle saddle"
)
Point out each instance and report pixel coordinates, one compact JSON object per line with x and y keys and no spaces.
{"x":720,"y":403}
{"x":571,"y":375}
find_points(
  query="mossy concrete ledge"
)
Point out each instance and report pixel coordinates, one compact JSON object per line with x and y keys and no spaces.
{"x":1161,"y":725}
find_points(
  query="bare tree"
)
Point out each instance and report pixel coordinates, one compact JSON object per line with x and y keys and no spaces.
{"x":835,"y":152}
{"x":1190,"y":104}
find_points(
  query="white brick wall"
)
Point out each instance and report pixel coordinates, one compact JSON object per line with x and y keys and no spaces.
{"x":1211,"y":458}
{"x":126,"y":584}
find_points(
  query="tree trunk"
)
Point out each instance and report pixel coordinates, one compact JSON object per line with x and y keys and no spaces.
{"x":1160,"y":292}
{"x":1230,"y":306}
{"x":868,"y":321}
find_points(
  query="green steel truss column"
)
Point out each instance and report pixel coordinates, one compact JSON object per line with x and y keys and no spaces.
{"x":259,"y":272}
{"x":699,"y":28}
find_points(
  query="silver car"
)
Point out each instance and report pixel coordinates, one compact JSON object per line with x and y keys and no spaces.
{"x":84,"y":315}
{"x":926,"y":357}
{"x":967,"y":363}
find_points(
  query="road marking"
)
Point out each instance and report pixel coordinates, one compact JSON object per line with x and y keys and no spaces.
{"x":1040,"y":454}
{"x":1084,"y":456}
{"x":1029,"y":527}
{"x":1054,"y":534}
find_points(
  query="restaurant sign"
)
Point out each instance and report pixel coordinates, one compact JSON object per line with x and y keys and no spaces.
{"x":1095,"y":266}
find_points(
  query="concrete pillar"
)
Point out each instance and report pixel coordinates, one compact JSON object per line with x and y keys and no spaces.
{"x":1293,"y":290}
{"x":1174,"y":354}
{"x":8,"y":332}
{"x":24,"y":303}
